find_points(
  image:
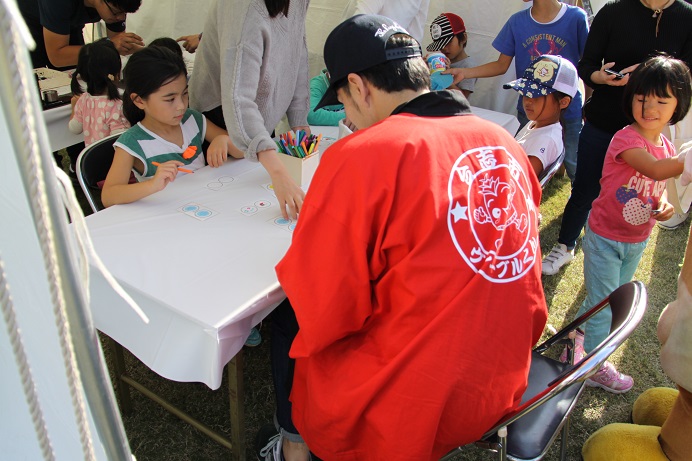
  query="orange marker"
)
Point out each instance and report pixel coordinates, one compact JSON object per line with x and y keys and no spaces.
{"x":184,"y":170}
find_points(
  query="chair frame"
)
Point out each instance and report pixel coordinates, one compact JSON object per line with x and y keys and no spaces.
{"x":79,"y":170}
{"x":628,"y":304}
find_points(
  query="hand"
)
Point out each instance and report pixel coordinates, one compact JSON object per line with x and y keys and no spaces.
{"x":457,"y":73}
{"x":217,"y":153}
{"x":288,"y":194}
{"x":165,"y":173}
{"x":666,"y":212}
{"x":190,"y":42}
{"x":603,"y":78}
{"x":127,"y":43}
{"x":305,"y":128}
{"x":686,"y":158}
{"x":287,"y":191}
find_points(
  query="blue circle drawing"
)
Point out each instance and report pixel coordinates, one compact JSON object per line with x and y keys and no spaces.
{"x":282,"y":221}
{"x":190,"y":208}
{"x":291,"y":226}
{"x":203,"y":213}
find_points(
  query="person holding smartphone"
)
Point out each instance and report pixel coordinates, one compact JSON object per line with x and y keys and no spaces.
{"x":623,"y":33}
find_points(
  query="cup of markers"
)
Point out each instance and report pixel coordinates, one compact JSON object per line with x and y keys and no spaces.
{"x":299,"y":152}
{"x":298,"y":144}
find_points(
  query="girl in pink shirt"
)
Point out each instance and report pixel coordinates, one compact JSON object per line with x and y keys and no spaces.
{"x":632,"y":198}
{"x":98,"y":112}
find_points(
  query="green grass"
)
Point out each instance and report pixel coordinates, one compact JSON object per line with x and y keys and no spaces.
{"x":156,"y":435}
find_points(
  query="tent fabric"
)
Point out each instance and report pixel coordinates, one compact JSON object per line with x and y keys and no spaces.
{"x":483,"y":19}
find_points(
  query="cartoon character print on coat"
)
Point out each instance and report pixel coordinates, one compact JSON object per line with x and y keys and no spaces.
{"x":492,"y":218}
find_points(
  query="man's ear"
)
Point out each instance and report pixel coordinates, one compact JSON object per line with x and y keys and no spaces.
{"x":137,"y":100}
{"x":360,"y":90}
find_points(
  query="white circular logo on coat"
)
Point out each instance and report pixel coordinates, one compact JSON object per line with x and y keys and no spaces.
{"x":492,"y":218}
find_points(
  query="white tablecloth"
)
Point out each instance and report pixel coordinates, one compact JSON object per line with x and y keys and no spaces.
{"x":59,"y":135}
{"x":203,"y":283}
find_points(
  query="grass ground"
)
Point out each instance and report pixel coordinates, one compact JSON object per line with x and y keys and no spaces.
{"x":157,"y":435}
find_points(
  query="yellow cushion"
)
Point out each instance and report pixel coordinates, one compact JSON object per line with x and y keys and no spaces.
{"x":624,"y":442}
{"x":653,"y":406}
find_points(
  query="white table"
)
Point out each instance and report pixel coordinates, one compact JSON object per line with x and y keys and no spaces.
{"x":59,"y":136}
{"x":507,"y":121}
{"x":203,"y":284}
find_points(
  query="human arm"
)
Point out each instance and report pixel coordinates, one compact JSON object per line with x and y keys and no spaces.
{"x":125,"y":42}
{"x":490,"y":69}
{"x":116,"y":189}
{"x":190,"y":42}
{"x":255,"y":89}
{"x":58,"y":49}
{"x":75,"y":125}
{"x":650,"y":166}
{"x":220,"y":145}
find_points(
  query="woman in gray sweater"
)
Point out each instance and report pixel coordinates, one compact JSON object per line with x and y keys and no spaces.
{"x":251,"y":68}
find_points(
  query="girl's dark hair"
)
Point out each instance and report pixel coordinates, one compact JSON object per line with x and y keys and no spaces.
{"x":663,"y":76}
{"x":148,"y":70}
{"x":275,"y":7}
{"x":98,"y":65}
{"x":169,"y":43}
{"x":397,"y":74}
{"x":463,"y":39}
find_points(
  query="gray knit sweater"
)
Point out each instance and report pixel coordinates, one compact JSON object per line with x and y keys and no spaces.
{"x":255,"y":67}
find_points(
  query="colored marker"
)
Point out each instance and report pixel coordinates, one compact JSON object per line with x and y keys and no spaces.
{"x":184,"y":170}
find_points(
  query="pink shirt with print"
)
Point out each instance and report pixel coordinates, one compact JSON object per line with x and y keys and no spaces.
{"x":622,"y":211}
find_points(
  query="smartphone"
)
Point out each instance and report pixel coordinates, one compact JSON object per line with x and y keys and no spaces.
{"x":618,"y":75}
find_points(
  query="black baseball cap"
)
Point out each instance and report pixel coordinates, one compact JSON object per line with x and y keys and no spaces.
{"x":358,"y":44}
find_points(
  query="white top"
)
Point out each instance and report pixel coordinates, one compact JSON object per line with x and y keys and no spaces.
{"x":543,"y":143}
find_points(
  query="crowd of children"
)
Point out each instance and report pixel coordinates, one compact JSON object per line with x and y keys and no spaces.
{"x":546,"y":42}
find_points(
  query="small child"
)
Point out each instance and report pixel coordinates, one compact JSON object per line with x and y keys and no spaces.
{"x":547,"y":87}
{"x":328,"y":115}
{"x":633,"y":197}
{"x":165,"y":135}
{"x":547,"y":27}
{"x":169,"y":43}
{"x":449,"y":36}
{"x":98,"y":112}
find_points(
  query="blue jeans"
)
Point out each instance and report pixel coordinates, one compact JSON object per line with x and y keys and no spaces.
{"x":572,"y":129}
{"x":593,"y":144}
{"x":284,"y":330}
{"x":607,"y":265}
{"x":571,"y":134}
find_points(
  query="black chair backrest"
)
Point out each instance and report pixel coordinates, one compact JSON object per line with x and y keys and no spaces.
{"x":92,"y":167}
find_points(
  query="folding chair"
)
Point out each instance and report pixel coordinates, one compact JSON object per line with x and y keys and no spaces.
{"x":549,"y":171}
{"x":554,"y":387}
{"x":93,"y":164}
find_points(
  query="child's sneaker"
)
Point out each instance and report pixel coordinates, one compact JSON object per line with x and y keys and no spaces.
{"x":558,"y":257}
{"x":609,"y":379}
{"x":578,"y":349}
{"x":255,"y":338}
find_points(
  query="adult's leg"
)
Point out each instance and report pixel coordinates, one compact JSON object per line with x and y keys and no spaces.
{"x":571,"y":137}
{"x":593,"y":144}
{"x":284,"y":328}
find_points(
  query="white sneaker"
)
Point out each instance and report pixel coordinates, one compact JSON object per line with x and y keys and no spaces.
{"x":558,"y":257}
{"x":674,"y":222}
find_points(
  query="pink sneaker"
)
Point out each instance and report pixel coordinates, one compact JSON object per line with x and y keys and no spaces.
{"x":578,"y":349}
{"x":609,"y":379}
